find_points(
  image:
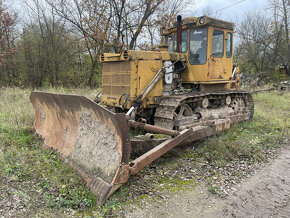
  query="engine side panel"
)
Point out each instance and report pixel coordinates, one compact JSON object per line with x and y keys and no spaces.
{"x":129,"y":77}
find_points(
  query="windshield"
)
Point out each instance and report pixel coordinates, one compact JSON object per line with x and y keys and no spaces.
{"x":198,"y":46}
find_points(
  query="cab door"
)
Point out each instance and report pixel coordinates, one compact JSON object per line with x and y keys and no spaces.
{"x":217,"y":60}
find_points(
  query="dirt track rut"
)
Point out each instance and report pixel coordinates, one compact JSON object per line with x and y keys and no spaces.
{"x":265,"y":194}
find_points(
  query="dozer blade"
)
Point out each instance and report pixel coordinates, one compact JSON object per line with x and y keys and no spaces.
{"x":90,"y":138}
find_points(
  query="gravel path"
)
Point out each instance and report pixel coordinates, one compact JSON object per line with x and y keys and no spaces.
{"x":265,"y":194}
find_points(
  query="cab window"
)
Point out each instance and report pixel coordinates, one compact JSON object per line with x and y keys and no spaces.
{"x":184,"y":37}
{"x":229,"y":49}
{"x":169,"y":42}
{"x":218,"y":44}
{"x":197,"y":46}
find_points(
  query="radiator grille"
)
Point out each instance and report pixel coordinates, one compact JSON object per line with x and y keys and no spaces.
{"x":116,"y":77}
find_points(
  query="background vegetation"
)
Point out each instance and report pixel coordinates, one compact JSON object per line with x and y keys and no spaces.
{"x":57,"y":43}
{"x":264,"y":45}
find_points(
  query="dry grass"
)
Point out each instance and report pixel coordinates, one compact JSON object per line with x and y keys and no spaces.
{"x":16,"y":109}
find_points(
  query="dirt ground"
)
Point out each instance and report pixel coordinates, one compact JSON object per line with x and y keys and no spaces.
{"x":265,"y":194}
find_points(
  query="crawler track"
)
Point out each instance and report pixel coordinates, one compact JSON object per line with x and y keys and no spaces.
{"x":164,"y":115}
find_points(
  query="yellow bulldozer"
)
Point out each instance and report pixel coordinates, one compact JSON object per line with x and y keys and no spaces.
{"x":186,"y":91}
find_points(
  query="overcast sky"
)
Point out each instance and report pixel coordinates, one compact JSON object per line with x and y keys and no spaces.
{"x":228,"y":9}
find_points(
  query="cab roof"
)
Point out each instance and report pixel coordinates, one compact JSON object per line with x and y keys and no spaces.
{"x":192,"y":22}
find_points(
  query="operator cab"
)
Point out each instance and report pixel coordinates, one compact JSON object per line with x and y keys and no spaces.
{"x":208,"y":45}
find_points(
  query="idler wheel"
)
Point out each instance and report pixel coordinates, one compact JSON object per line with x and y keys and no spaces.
{"x":205,"y":103}
{"x":228,"y":100}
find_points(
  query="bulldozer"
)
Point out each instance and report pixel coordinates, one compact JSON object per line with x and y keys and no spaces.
{"x":185,"y":91}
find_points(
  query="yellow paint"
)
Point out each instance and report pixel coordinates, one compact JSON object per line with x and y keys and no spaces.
{"x":214,"y":68}
{"x":145,"y":64}
{"x":142,"y":73}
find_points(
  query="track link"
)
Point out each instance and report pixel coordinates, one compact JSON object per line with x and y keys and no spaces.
{"x":164,"y":115}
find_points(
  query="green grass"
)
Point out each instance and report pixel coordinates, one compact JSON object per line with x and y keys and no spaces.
{"x":48,"y":186}
{"x":37,"y":176}
{"x":46,"y":179}
{"x":268,"y":129}
{"x":175,"y":184}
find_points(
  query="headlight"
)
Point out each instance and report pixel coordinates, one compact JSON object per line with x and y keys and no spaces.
{"x":201,"y":20}
{"x":125,"y":54}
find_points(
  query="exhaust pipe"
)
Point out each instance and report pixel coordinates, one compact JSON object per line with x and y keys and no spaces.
{"x":179,"y":33}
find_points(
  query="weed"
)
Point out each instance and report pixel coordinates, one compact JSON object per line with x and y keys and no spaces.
{"x":143,"y":197}
{"x":175,"y":184}
{"x":212,"y":189}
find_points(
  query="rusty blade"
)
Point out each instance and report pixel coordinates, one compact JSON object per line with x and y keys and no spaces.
{"x":92,"y":139}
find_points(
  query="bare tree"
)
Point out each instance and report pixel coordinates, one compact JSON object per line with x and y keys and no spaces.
{"x":165,"y":16}
{"x":280,"y":26}
{"x":8,"y":45}
{"x":255,"y":41}
{"x":111,"y":25}
{"x":49,"y":47}
{"x":89,"y":20}
{"x":264,"y":40}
